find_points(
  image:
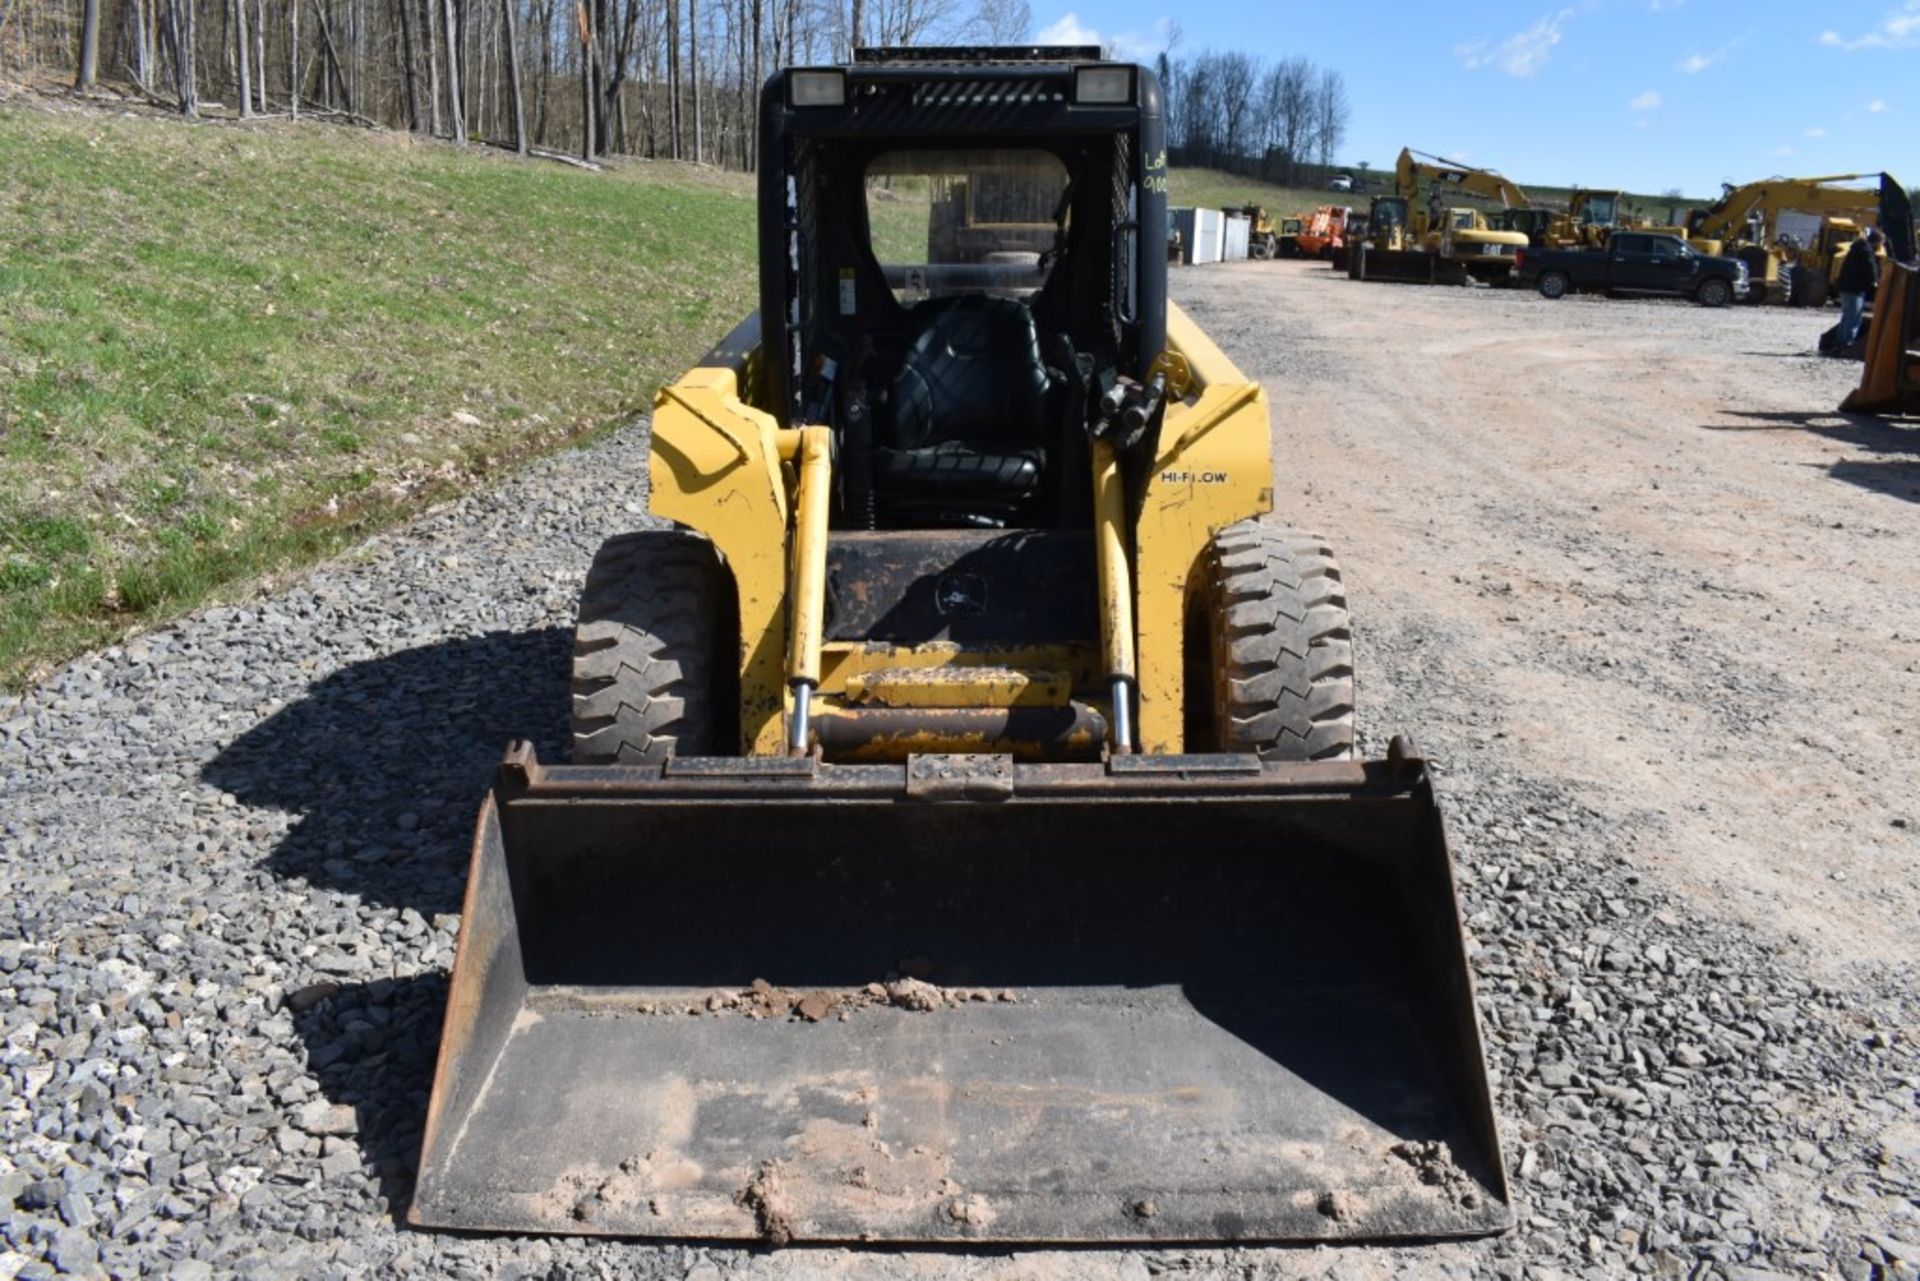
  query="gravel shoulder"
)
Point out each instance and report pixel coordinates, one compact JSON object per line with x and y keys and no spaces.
{"x":1645,"y":603}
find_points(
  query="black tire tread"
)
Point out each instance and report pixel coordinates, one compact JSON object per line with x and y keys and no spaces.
{"x":1282,"y":658}
{"x":644,"y":650}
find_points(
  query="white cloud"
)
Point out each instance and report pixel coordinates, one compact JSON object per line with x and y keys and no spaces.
{"x":1816,"y":132}
{"x":1783,"y":150}
{"x":1068,"y":30}
{"x":1646,"y":101}
{"x":1522,"y":54}
{"x":1127,"y":45}
{"x":1693,"y":64}
{"x":1878,"y":107}
{"x":1900,"y":29}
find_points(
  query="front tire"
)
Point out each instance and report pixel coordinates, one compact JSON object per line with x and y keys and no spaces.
{"x":651,"y":651}
{"x":1555,"y":285}
{"x":1280,"y":645}
{"x":1714,"y":293}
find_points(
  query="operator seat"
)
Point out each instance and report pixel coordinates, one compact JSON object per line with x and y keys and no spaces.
{"x":961,"y":439}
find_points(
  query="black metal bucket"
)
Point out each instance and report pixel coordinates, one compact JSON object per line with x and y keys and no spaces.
{"x":1173,"y":998}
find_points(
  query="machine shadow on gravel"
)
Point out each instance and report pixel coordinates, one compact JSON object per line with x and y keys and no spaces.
{"x":1897,"y":475}
{"x":386,"y":761}
{"x":371,"y":1047}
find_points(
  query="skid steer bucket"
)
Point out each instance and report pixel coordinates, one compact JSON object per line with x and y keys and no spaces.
{"x":963,"y":999}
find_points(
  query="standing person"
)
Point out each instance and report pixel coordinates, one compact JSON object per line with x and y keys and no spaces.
{"x":1859,"y":277}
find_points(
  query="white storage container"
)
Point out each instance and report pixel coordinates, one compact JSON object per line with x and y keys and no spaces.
{"x":1201,"y":233}
{"x":1234,"y":243}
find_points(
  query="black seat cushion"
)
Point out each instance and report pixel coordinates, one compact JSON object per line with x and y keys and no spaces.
{"x":958,"y":469}
{"x":966,"y":414}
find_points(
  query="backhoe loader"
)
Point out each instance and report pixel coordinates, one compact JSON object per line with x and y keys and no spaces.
{"x":963,"y":840}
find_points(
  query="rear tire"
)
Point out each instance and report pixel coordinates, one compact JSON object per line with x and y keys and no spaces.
{"x":1555,"y":285}
{"x":1281,"y":645}
{"x":1714,"y":293}
{"x":651,"y":651}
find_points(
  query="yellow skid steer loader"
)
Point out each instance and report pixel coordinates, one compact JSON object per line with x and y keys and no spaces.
{"x":963,"y":840}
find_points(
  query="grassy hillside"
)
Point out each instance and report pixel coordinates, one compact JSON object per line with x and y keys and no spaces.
{"x":1212,"y":189}
{"x":228,"y":351}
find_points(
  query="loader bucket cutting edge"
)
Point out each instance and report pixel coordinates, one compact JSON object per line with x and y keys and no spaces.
{"x":1223,"y":1001}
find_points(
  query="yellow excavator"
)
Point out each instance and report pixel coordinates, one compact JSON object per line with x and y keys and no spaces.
{"x":963,"y":839}
{"x":1787,"y":264}
{"x":1433,"y":241}
{"x":1461,"y":234}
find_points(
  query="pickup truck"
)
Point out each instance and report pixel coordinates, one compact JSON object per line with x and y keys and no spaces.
{"x":1635,"y":262}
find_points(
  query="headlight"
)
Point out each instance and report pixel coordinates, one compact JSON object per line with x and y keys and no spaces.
{"x":1092,"y":85}
{"x":817,"y":89}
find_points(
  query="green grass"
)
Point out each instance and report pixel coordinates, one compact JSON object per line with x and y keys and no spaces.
{"x":226,"y":352}
{"x":1211,"y":189}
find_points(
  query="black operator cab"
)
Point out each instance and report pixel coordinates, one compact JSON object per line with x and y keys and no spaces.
{"x":962,"y":251}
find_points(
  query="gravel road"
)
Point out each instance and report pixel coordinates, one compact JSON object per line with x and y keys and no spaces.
{"x":1646,"y":603}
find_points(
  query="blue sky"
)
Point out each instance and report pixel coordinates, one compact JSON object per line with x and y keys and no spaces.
{"x":1640,"y":94}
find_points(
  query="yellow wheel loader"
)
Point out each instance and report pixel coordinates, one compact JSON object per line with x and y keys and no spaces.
{"x":963,"y":840}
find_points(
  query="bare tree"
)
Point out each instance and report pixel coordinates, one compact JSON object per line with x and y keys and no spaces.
{"x":457,"y":117}
{"x":89,"y":45}
{"x":409,"y":66}
{"x":1003,"y":21}
{"x":1295,"y":126}
{"x":1329,"y":115}
{"x":586,"y":79}
{"x":511,"y":10}
{"x":243,"y":47}
{"x":293,"y":58}
{"x":180,"y":43}
{"x":260,"y":51}
{"x":1235,"y":79}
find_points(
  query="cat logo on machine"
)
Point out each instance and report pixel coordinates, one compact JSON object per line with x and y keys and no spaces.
{"x":1193,"y":478}
{"x":961,"y":594}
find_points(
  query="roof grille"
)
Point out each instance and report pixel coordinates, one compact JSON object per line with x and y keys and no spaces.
{"x":972,"y":93}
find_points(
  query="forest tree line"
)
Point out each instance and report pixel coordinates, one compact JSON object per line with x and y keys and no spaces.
{"x":674,"y":79}
{"x":1271,"y":120}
